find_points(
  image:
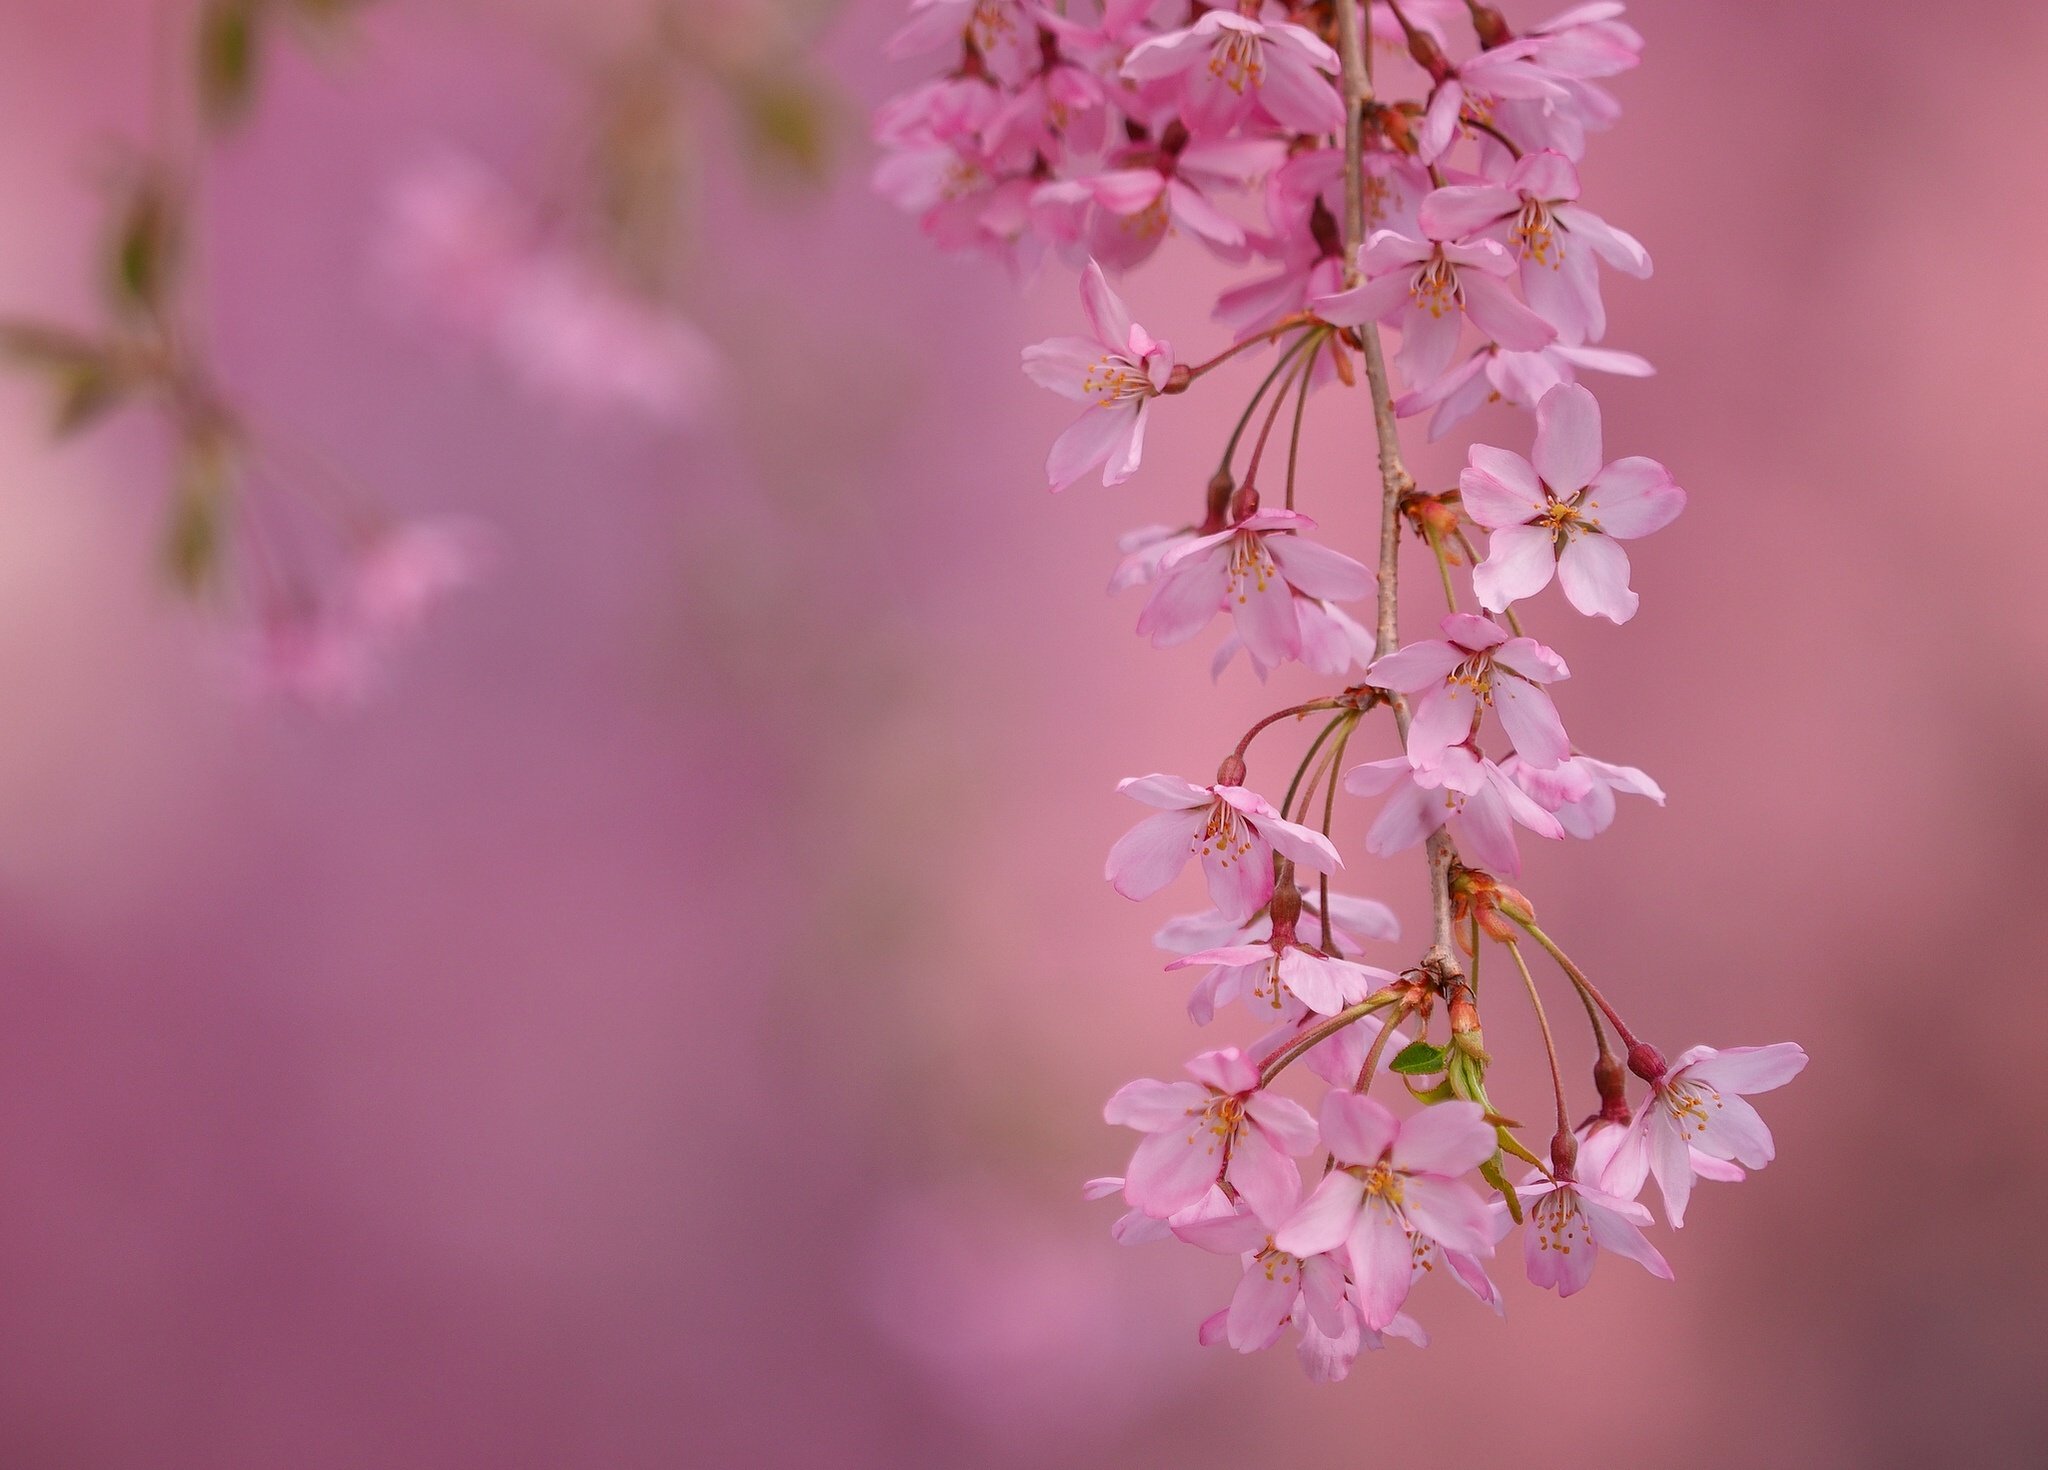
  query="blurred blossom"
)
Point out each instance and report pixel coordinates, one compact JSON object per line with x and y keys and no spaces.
{"x":459,"y":248}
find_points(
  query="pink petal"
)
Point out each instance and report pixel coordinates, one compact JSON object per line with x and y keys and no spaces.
{"x":1520,"y":561}
{"x":1380,"y":1263}
{"x":1168,"y":793}
{"x":1260,"y":1305}
{"x":1152,"y":854}
{"x":1240,"y":882}
{"x":1613,"y":1232}
{"x":1750,"y":1068}
{"x":1417,"y":666}
{"x":1531,"y":721}
{"x":1304,"y":845}
{"x":1358,"y":1130}
{"x":1567,"y":453}
{"x":1428,"y":342}
{"x":1088,"y":442}
{"x":1409,"y":816}
{"x":1449,"y":1138}
{"x":1297,"y":96}
{"x":1374,"y":301}
{"x":1316,"y":571}
{"x":1617,"y":247}
{"x":1184,"y":600}
{"x":1633,"y":497}
{"x":1284,"y":1120}
{"x":1465,"y":209}
{"x":1173,"y":1169}
{"x":1594,"y":575}
{"x":1500,"y":488}
{"x":1324,"y":1220}
{"x":1497,"y":312}
{"x":1150,"y":1105}
{"x":1266,"y":1178}
{"x":1107,"y":313}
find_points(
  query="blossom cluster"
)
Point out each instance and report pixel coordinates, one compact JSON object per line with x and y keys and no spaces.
{"x":1411,"y":166}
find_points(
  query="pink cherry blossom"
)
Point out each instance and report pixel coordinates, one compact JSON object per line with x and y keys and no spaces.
{"x":1564,"y":514}
{"x":1117,"y":374}
{"x":1234,"y":831}
{"x":1474,"y":667}
{"x":1495,"y":375}
{"x":1580,"y":792}
{"x":406,"y":568}
{"x":1465,"y":792}
{"x":1332,"y":642}
{"x":1552,"y":236}
{"x":1148,"y":193}
{"x":1252,"y":567}
{"x":1395,"y":1177}
{"x":1004,"y":33}
{"x":1426,"y":288}
{"x":1219,"y":1127}
{"x":1285,"y":974}
{"x":1509,"y":72}
{"x":1228,"y":63}
{"x":1569,"y":1224}
{"x":1697,"y":1107}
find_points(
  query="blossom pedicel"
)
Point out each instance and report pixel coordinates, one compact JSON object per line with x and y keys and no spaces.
{"x":1441,"y":198}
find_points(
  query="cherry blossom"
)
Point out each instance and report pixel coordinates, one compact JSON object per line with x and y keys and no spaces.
{"x":1569,"y":1224}
{"x":1580,"y":791}
{"x":1474,"y":667}
{"x":1253,"y":567}
{"x":1463,"y":791}
{"x":1393,"y":1177}
{"x":1232,"y":830}
{"x":1117,"y":374}
{"x":1230,"y":63}
{"x":1219,"y":1127}
{"x":1564,"y":514}
{"x":1697,"y":1107}
{"x":1554,"y":238}
{"x":1426,"y":288}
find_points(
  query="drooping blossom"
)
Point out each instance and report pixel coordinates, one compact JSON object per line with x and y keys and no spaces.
{"x":1494,"y":375}
{"x":1232,"y":830}
{"x":1117,"y":374}
{"x":1332,"y":642}
{"x":1562,"y":513}
{"x":1229,"y":63}
{"x":1427,"y":288}
{"x":1221,"y":1126}
{"x":458,"y":246}
{"x":1394,"y":1176}
{"x":405,"y":568}
{"x":1475,"y":667}
{"x":1554,"y":238}
{"x":1697,"y":1106}
{"x":1570,"y":1223}
{"x":1580,"y":792}
{"x":1505,"y":73}
{"x":1284,"y":974}
{"x":1465,"y":792}
{"x":1003,"y":33}
{"x":1252,"y":567}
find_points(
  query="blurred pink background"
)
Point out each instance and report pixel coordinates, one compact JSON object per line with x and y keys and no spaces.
{"x":669,"y":1027}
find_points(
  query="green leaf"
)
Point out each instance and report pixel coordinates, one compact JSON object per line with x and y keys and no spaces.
{"x":199,"y":505}
{"x":229,"y":44}
{"x":1493,"y":1174}
{"x":787,"y":123}
{"x":1418,"y":1059}
{"x":146,"y":243}
{"x":84,"y":375}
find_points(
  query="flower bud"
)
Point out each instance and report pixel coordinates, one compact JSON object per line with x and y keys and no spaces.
{"x":1463,"y":1011}
{"x":1286,"y":906}
{"x":1647,"y":1062}
{"x":1491,"y":25}
{"x":1231,"y":772}
{"x":1245,"y":504}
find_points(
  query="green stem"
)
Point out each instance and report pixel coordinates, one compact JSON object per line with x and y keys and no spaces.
{"x":1379,"y":1000}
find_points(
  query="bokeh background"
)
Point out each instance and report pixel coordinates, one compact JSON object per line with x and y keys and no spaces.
{"x":667,"y":1027}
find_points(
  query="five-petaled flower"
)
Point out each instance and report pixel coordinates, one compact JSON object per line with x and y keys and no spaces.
{"x":1228,"y":62}
{"x":1473,"y":667}
{"x":1221,"y":1126}
{"x":1232,"y":830}
{"x":1427,"y":288}
{"x":1564,"y":515}
{"x":1697,"y":1106}
{"x":1117,"y":374}
{"x":1569,"y":1224}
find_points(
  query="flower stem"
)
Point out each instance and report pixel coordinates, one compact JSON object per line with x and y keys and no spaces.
{"x":1395,"y":481}
{"x":1577,"y":976}
{"x":1379,"y":1000}
{"x":1273,"y":719}
{"x":1564,"y":1116}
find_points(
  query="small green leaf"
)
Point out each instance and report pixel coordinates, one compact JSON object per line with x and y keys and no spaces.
{"x":146,"y":246}
{"x":85,"y":377}
{"x":229,"y":44}
{"x":1493,"y":1174}
{"x":1418,"y":1059}
{"x":199,"y":505}
{"x":787,"y":124}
